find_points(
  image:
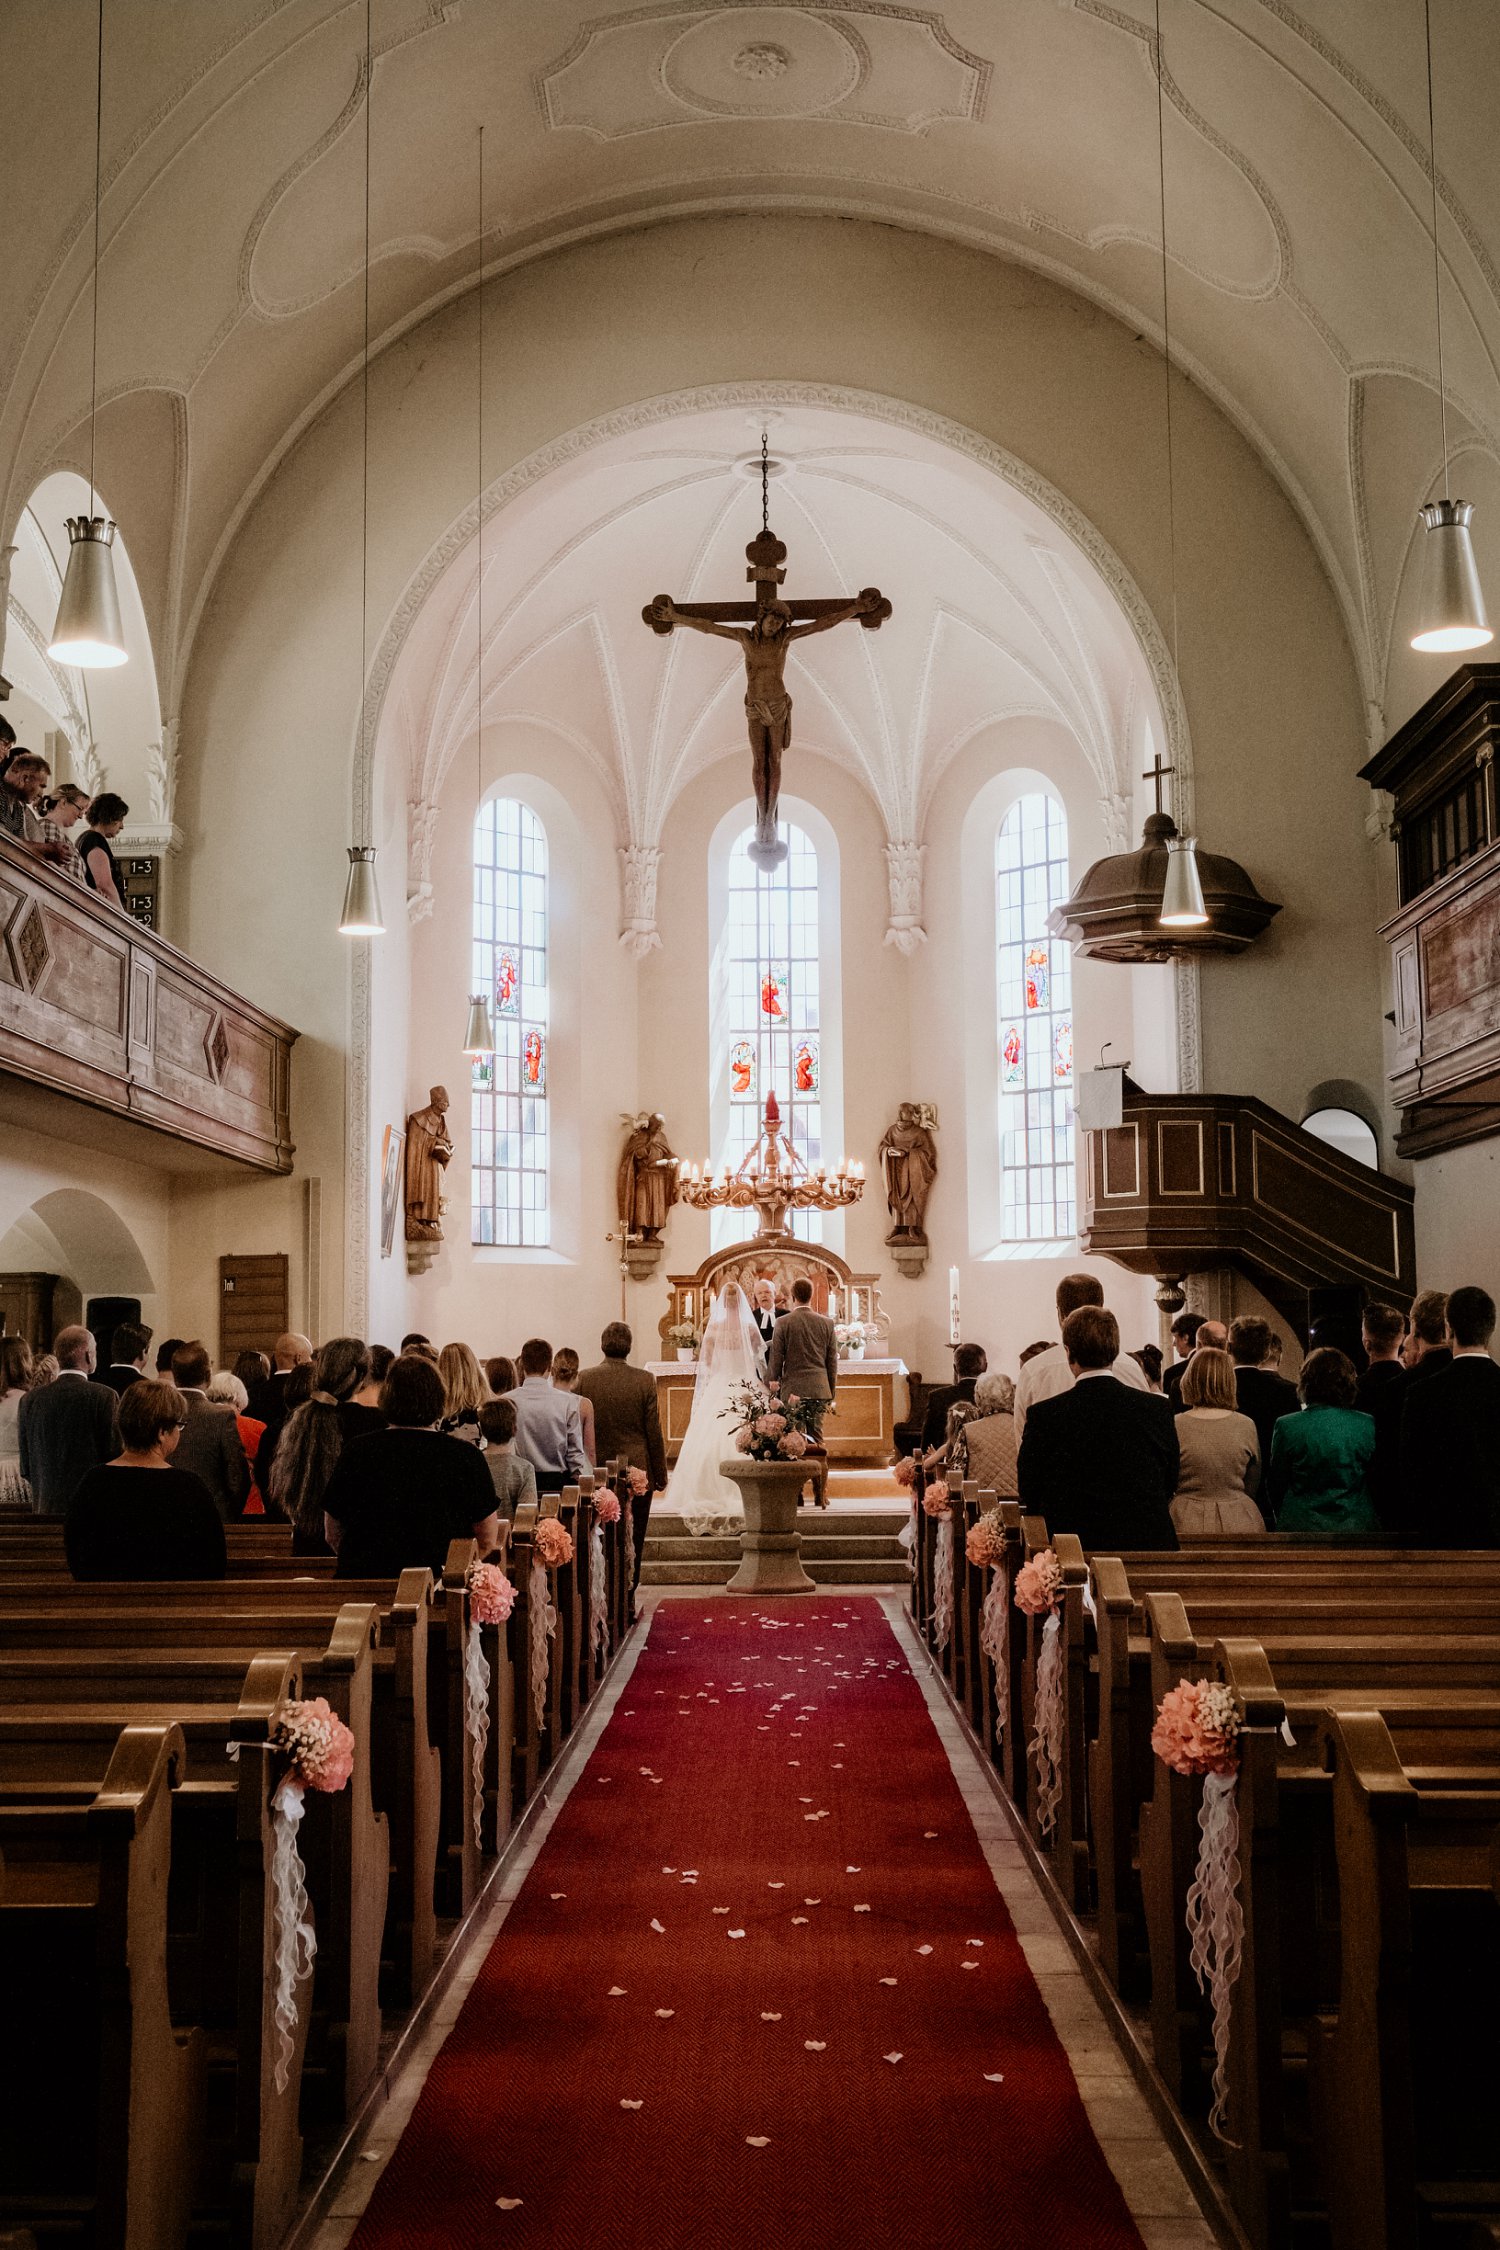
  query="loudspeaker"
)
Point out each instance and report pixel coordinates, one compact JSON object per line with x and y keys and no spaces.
{"x":103,"y":1316}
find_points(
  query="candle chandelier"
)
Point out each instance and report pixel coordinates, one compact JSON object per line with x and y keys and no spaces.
{"x":773,"y":1180}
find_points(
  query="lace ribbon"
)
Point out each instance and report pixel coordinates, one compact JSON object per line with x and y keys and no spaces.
{"x":296,"y":1940}
{"x":598,"y":1591}
{"x":1216,"y":1925}
{"x":908,"y":1537}
{"x":1047,"y":1742}
{"x":994,"y":1639}
{"x":477,"y":1715}
{"x":942,"y":1584}
{"x":543,"y":1622}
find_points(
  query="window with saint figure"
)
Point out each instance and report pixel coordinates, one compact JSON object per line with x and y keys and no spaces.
{"x":508,"y":1100}
{"x":772,"y":1041}
{"x":1037,"y":1163}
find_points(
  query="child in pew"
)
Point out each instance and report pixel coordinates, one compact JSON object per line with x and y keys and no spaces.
{"x":514,"y":1479}
{"x":137,"y":1517}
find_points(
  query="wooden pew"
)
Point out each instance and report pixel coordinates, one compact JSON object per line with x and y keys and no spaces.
{"x":101,"y":2109}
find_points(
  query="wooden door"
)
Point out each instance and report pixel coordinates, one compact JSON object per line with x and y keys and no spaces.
{"x":253,"y":1304}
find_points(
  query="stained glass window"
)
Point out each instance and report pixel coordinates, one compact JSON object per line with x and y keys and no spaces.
{"x":1038,"y":1175}
{"x":771,"y":1036}
{"x":508,"y":1091}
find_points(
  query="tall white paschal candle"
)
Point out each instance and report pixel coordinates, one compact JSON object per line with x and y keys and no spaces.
{"x":954,"y":1335}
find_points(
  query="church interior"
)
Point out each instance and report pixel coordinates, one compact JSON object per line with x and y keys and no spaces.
{"x":807,"y":682}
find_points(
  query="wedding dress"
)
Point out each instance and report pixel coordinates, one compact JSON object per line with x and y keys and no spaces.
{"x":731,"y":1354}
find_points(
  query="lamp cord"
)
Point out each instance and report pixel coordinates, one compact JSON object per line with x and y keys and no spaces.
{"x":364,"y":568}
{"x":98,"y":187}
{"x":1166,"y":326}
{"x":765,"y":480}
{"x":1437,"y":265}
{"x":479,"y":499}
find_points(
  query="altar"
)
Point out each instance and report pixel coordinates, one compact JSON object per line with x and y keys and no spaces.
{"x":860,"y":1425}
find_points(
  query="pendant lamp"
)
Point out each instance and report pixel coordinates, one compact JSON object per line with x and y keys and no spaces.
{"x":88,"y":631}
{"x":1182,"y":906}
{"x":1450,"y":612}
{"x":479,"y":1039}
{"x":362,"y":917}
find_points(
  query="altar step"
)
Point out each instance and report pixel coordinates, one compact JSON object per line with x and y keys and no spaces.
{"x":846,"y":1546}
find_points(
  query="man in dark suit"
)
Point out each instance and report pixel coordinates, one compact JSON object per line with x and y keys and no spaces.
{"x":128,"y":1347}
{"x":627,"y":1421}
{"x":210,"y":1444}
{"x":1260,"y":1392}
{"x":970,"y":1361}
{"x":804,"y":1358}
{"x":1426,"y":1352}
{"x":69,"y":1426}
{"x":1101,"y":1459}
{"x":1382,"y":1332}
{"x":1448,"y":1478}
{"x":1184,"y":1339}
{"x":268,"y":1399}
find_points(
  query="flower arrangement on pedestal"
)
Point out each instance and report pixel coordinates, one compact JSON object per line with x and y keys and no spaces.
{"x":684,"y":1338}
{"x":768,"y":1427}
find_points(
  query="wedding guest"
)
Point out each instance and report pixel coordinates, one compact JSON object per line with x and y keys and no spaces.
{"x":1425,"y":1353}
{"x":381,"y":1360}
{"x":60,"y":814}
{"x":227,"y":1389}
{"x":107,"y":816}
{"x":1184,"y":1334}
{"x":549,"y":1428}
{"x":401,"y":1495}
{"x":1046,"y":1373}
{"x":139,"y":1516}
{"x":210,"y":1441}
{"x":15,"y":1381}
{"x":1033,"y":1351}
{"x":1449,"y":1477}
{"x":1219,"y":1453}
{"x":465,"y":1390}
{"x":1259,"y":1391}
{"x":253,"y":1369}
{"x":1321,"y":1458}
{"x":269,"y":1404}
{"x":166,"y":1352}
{"x":1148,"y":1359}
{"x":514,"y":1480}
{"x":565,"y":1378}
{"x":68,"y":1427}
{"x":969,"y":1363}
{"x":313,"y":1437}
{"x":409,"y":1343}
{"x":128,"y":1347}
{"x":952,"y":1456}
{"x":1100,"y":1458}
{"x":44,"y":1370}
{"x":1382,"y":1333}
{"x":22,"y":786}
{"x":500,"y":1374}
{"x":627,"y":1422}
{"x":991,"y":1436}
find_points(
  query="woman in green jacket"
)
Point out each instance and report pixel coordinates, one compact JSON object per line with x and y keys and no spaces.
{"x":1320,"y":1458}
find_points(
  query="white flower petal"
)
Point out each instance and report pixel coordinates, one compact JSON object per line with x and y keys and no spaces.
{"x":557,"y":1894}
{"x":894,"y":2058}
{"x":862,"y":1910}
{"x":617,"y":1992}
{"x":968,"y":1964}
{"x":854,"y":1871}
{"x":815,"y":2046}
{"x":800,"y":1921}
{"x":995,"y":2077}
{"x":887,"y":1980}
{"x":734,"y":1933}
{"x":665,"y":2012}
{"x":629,"y":2105}
{"x":757,"y":2140}
{"x":925,"y":1949}
{"x":973,"y":1941}
{"x":775,"y":1886}
{"x":767,"y":2017}
{"x":658,"y":1927}
{"x":508,"y":2202}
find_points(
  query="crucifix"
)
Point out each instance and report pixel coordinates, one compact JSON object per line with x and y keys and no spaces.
{"x":1156,"y":772}
{"x":764,"y":629}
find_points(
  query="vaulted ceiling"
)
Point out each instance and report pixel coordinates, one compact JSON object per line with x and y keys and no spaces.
{"x":230,"y":300}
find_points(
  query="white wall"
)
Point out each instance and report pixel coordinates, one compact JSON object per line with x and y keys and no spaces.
{"x":105,"y":1226}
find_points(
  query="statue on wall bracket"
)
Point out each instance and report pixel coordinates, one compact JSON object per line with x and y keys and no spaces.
{"x":645,"y":1190}
{"x":908,"y":1165}
{"x":429,"y":1150}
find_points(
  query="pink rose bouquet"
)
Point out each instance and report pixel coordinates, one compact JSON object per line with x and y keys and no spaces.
{"x":793,"y":1445}
{"x":762,"y":1426}
{"x":1039,"y":1584}
{"x":640,"y":1483}
{"x":606,"y":1507}
{"x":1197,"y":1728}
{"x":905,"y":1472}
{"x":986,"y":1542}
{"x":935,"y":1500}
{"x":317,"y":1743}
{"x":552,"y":1542}
{"x":492,"y":1597}
{"x":770,"y":1425}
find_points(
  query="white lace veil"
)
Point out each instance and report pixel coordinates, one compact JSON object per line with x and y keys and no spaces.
{"x":732,"y":1350}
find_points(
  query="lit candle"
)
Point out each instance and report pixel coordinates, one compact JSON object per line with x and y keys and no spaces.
{"x":833,"y":1304}
{"x":953,"y":1327}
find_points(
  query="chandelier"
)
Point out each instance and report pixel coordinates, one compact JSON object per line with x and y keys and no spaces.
{"x":773,"y":1180}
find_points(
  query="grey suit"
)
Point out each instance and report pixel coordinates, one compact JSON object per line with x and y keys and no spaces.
{"x":549,"y":1431}
{"x":66,"y":1428}
{"x":805,"y":1358}
{"x":211,"y":1447}
{"x":627,"y":1423}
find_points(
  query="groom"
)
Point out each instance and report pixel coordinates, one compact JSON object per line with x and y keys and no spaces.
{"x":804,"y":1357}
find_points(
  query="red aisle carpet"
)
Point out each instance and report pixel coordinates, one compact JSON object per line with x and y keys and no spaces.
{"x":754,"y":1990}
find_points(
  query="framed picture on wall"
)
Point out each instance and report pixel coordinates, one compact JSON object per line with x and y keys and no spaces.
{"x":390,"y":1187}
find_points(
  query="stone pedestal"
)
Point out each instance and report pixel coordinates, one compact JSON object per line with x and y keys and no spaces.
{"x":770,"y":1545}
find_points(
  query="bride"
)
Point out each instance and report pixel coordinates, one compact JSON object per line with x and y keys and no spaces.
{"x":731,"y":1353}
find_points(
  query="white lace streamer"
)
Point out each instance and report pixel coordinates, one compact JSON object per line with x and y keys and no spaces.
{"x":1047,"y":1741}
{"x":994,"y":1639}
{"x":477,"y":1715}
{"x":1216,"y":1925}
{"x":296,"y":1940}
{"x":598,"y":1591}
{"x":909,"y":1537}
{"x":942,"y":1585}
{"x":543,"y":1622}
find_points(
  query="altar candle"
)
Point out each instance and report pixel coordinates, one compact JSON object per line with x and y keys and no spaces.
{"x":833,"y":1304}
{"x":954,"y":1333}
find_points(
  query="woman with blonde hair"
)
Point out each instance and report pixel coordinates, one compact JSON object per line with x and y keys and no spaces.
{"x":15,"y":1382}
{"x":565,"y":1378}
{"x":464,"y":1392}
{"x":1219,"y":1452}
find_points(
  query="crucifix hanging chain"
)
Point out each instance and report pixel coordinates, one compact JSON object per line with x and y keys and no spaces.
{"x":765,"y":629}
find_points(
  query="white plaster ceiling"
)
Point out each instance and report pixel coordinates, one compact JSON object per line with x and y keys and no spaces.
{"x":230,"y":304}
{"x":996,"y":613}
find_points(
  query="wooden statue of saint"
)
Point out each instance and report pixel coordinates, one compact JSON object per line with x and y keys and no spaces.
{"x":647,"y":1182}
{"x":908,"y":1164}
{"x":428,"y":1150}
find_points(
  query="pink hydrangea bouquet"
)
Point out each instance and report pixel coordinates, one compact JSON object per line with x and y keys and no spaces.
{"x":1197,"y":1728}
{"x":552,"y":1542}
{"x":640,"y":1483}
{"x":768,"y":1428}
{"x":986,"y":1542}
{"x":905,"y":1472}
{"x":1039,"y":1584}
{"x":606,"y":1507}
{"x":492,"y":1597}
{"x":318,"y":1745}
{"x":936,"y":1498}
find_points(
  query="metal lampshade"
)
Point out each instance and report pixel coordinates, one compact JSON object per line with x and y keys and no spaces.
{"x":1452,"y":610}
{"x":88,"y":631}
{"x":1182,"y":906}
{"x":480,"y":1037}
{"x":361,"y":916}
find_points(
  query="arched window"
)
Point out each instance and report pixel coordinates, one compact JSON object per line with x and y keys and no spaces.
{"x":1038,"y":1177}
{"x":771,"y":1039}
{"x":508,"y":1113}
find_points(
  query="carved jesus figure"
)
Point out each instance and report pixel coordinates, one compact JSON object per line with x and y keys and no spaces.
{"x":768,"y":707}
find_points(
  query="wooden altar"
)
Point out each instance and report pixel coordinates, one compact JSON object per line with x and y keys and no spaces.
{"x":871,"y":1398}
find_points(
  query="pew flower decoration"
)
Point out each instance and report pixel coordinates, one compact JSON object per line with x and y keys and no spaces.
{"x":640,"y":1484}
{"x":317,"y":1744}
{"x":553,"y":1542}
{"x":985,"y":1548}
{"x":1197,"y":1733}
{"x":492,"y":1597}
{"x":606,"y":1507}
{"x":985,"y":1544}
{"x":1039,"y":1585}
{"x":942,"y":1563}
{"x":905,"y":1472}
{"x":936,"y":1500}
{"x":551,"y":1547}
{"x":319,"y":1750}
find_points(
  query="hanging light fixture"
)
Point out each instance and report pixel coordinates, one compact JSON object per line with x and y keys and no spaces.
{"x":1182,"y":906}
{"x":88,"y":631}
{"x":1450,"y":612}
{"x":479,"y":1040}
{"x":362,"y":916}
